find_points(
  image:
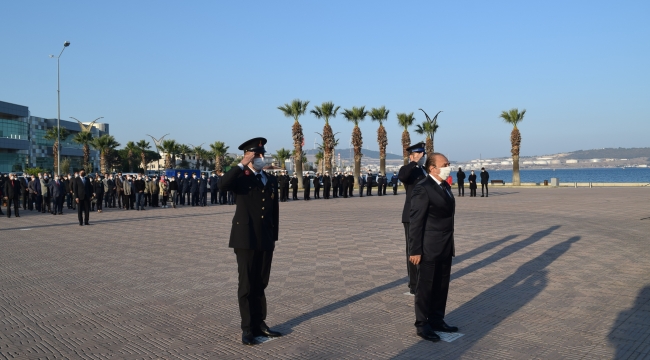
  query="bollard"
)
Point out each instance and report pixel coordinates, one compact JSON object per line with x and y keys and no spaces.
{"x":575,"y":184}
{"x":590,"y":186}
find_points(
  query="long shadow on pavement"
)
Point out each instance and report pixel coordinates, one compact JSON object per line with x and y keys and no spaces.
{"x":483,"y":248}
{"x":630,"y":330}
{"x":508,"y":250}
{"x":289,"y":324}
{"x":489,"y":308}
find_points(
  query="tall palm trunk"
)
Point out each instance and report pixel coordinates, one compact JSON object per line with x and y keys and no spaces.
{"x":406,"y":142}
{"x":297,"y":144}
{"x":144,"y":161}
{"x":357,"y":142}
{"x":429,"y":145}
{"x":86,"y":149}
{"x":168,"y":161}
{"x":55,"y":153}
{"x":217,"y":164}
{"x":328,"y":144}
{"x":130,"y":159}
{"x":515,"y":140}
{"x":382,"y":139}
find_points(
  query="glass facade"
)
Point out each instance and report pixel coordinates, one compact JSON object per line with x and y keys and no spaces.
{"x":14,"y":129}
{"x":12,"y":161}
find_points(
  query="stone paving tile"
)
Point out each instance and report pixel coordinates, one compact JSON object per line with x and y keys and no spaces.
{"x":539,"y":274}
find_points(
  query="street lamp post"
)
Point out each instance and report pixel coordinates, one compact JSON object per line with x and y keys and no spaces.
{"x":58,"y":109}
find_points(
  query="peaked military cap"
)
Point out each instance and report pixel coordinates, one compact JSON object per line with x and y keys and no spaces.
{"x":255,"y":145}
{"x":419,"y":147}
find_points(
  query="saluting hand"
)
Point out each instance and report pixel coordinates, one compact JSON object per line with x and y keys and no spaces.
{"x":248,"y":157}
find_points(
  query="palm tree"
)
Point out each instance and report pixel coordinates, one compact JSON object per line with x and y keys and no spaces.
{"x":405,"y":120}
{"x":168,"y":147}
{"x":326,"y":111}
{"x":183,"y":150}
{"x":84,"y":138}
{"x":356,"y":115}
{"x":381,"y":114}
{"x":219,"y":149}
{"x":281,"y":155}
{"x":428,"y":129}
{"x":320,"y":156}
{"x":143,"y":146}
{"x":51,"y":135}
{"x":514,"y":117}
{"x":295,"y":110}
{"x":200,"y":154}
{"x":104,"y":144}
{"x":131,"y":149}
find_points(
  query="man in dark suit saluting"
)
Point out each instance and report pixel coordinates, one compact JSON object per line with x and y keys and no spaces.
{"x":253,"y":235}
{"x":83,"y":192}
{"x":410,"y":174}
{"x":431,"y":246}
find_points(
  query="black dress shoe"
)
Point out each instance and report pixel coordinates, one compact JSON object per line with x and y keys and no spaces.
{"x":80,"y":224}
{"x":265,"y":331}
{"x":86,"y":224}
{"x":427,"y":334}
{"x":442,"y":326}
{"x":247,"y":338}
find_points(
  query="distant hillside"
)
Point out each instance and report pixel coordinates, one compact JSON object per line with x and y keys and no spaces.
{"x":610,"y":153}
{"x":345,"y":154}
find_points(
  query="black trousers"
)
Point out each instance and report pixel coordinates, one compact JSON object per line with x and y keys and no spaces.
{"x":360,"y":190}
{"x":394,"y":189}
{"x":350,"y":190}
{"x":326,"y":191}
{"x":100,"y":198}
{"x":203,"y":198}
{"x":295,"y":193}
{"x":461,"y":189}
{"x":335,"y":191}
{"x":284,"y":195}
{"x":411,"y":269}
{"x":384,"y":188}
{"x":223,"y":197}
{"x":368,"y":190}
{"x":214,"y":198}
{"x":379,"y":190}
{"x":472,"y":191}
{"x":254,"y":267}
{"x":345,"y":191}
{"x":484,"y":187}
{"x":83,"y":210}
{"x":317,"y":193}
{"x":58,"y":204}
{"x":16,"y":203}
{"x":431,"y":292}
{"x":305,"y":194}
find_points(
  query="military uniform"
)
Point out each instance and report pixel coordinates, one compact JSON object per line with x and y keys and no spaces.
{"x":327,"y":184}
{"x":253,"y":235}
{"x":306,"y":187}
{"x":410,"y":175}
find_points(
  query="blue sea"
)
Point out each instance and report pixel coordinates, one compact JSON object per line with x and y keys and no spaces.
{"x":613,"y":175}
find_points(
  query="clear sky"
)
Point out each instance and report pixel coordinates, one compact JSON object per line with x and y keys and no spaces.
{"x":217,"y":70}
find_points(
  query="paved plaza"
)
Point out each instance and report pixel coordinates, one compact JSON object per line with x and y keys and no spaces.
{"x":539,"y":273}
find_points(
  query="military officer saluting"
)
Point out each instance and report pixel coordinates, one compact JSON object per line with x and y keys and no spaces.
{"x":410,"y":174}
{"x":253,"y":235}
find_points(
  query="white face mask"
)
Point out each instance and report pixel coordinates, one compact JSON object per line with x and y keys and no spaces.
{"x":422,"y":160}
{"x":258,"y":164}
{"x":444,"y":172}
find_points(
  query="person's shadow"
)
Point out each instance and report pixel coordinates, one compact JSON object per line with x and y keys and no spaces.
{"x":489,"y":308}
{"x":630,"y":330}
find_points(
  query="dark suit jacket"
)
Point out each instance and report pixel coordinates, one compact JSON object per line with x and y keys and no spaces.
{"x":409,"y":175}
{"x":57,"y":191}
{"x":294,"y":182}
{"x":81,"y":191}
{"x":327,"y":181}
{"x":13,"y":189}
{"x":431,"y":231}
{"x":460,"y":177}
{"x":485,"y":176}
{"x":256,"y":220}
{"x":472,"y":181}
{"x":305,"y":182}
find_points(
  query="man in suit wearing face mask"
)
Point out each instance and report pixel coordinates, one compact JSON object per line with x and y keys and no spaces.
{"x":410,"y":175}
{"x":253,"y":235}
{"x":431,"y":246}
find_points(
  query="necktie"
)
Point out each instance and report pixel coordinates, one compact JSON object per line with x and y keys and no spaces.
{"x":446,"y":187}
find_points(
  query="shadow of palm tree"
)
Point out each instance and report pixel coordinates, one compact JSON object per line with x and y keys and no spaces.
{"x":504,"y":252}
{"x":489,"y":308}
{"x":630,"y":330}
